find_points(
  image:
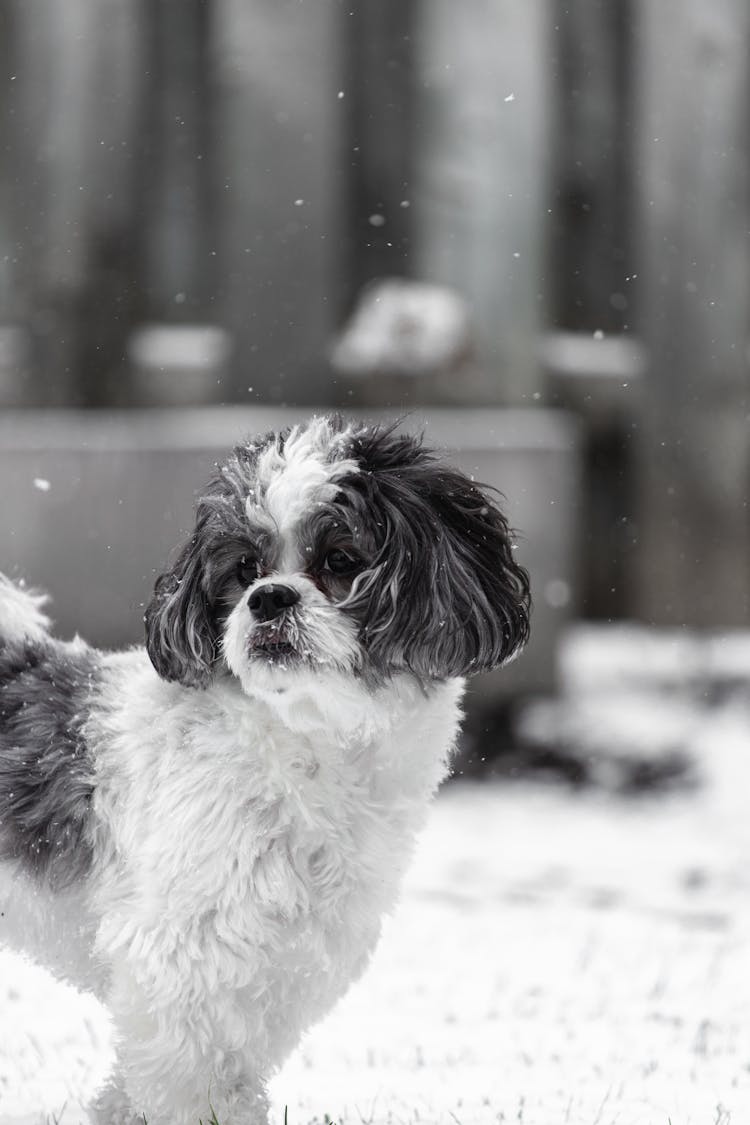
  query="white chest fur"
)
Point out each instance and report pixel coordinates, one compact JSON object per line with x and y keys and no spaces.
{"x":252,"y":844}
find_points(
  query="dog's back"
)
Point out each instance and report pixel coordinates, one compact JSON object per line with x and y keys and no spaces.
{"x":45,"y":773}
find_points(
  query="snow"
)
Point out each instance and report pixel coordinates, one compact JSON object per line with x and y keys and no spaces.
{"x":555,"y":960}
{"x":191,"y":347}
{"x":403,"y":327}
{"x":556,"y":957}
{"x":56,"y":1043}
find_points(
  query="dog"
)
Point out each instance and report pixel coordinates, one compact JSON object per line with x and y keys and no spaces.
{"x":207,"y":833}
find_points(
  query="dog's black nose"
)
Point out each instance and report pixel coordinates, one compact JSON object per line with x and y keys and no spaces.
{"x":270,"y":601}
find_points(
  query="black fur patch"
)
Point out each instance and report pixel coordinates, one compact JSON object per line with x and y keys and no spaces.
{"x":182,"y":619}
{"x":46,"y":772}
{"x":444,"y":595}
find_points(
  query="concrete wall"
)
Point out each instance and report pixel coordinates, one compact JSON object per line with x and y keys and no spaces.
{"x":93,"y":503}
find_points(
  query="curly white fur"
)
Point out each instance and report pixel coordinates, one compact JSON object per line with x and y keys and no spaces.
{"x":218,"y":966}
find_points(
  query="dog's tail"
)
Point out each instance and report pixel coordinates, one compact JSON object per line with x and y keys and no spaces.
{"x":21,"y":616}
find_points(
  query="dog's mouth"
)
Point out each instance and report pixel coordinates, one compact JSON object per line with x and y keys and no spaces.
{"x":274,"y":650}
{"x":271,"y":646}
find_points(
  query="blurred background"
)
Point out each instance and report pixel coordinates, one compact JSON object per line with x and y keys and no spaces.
{"x":523,"y":225}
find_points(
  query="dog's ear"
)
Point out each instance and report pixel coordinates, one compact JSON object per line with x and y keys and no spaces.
{"x":478,"y":582}
{"x":446,"y":596}
{"x":181,"y":636}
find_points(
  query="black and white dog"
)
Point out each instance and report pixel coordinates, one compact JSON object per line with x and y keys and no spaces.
{"x":209,"y":838}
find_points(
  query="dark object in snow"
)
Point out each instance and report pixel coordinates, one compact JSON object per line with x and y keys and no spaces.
{"x":630,"y":712}
{"x":556,"y":740}
{"x":625,"y":742}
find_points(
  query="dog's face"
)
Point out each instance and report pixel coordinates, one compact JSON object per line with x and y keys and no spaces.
{"x":339,"y":548}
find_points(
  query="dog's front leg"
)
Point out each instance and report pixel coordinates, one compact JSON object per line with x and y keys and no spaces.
{"x":179,"y":1059}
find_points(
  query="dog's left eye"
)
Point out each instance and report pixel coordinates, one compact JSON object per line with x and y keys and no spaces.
{"x":247,"y":570}
{"x":341,"y":562}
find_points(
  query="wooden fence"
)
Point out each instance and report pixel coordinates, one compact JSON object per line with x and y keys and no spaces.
{"x":253,"y":164}
{"x":569,"y":166}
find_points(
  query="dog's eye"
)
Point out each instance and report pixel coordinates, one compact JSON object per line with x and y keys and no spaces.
{"x":341,"y":562}
{"x":247,"y":570}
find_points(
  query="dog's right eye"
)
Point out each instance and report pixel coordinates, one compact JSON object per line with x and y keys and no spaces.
{"x":342,"y":563}
{"x":247,"y":570}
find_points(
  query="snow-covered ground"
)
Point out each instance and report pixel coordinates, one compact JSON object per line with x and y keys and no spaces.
{"x":558,"y":957}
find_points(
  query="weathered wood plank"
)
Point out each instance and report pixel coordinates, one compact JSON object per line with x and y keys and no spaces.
{"x":479,"y":205}
{"x":592,"y":170}
{"x":693,"y":84}
{"x":70,"y":202}
{"x":7,"y":117}
{"x":278,"y":70}
{"x":379,"y":44}
{"x":175,"y":183}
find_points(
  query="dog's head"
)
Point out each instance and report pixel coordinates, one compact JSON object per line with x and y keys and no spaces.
{"x":339,"y":548}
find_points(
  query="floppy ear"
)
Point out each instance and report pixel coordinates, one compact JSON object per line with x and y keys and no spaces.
{"x":181,"y":637}
{"x":446,"y":596}
{"x":485,"y":591}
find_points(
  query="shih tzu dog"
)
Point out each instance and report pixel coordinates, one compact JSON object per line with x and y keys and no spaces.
{"x":208,"y":832}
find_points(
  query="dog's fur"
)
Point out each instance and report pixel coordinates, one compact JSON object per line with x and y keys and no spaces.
{"x":209,"y":838}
